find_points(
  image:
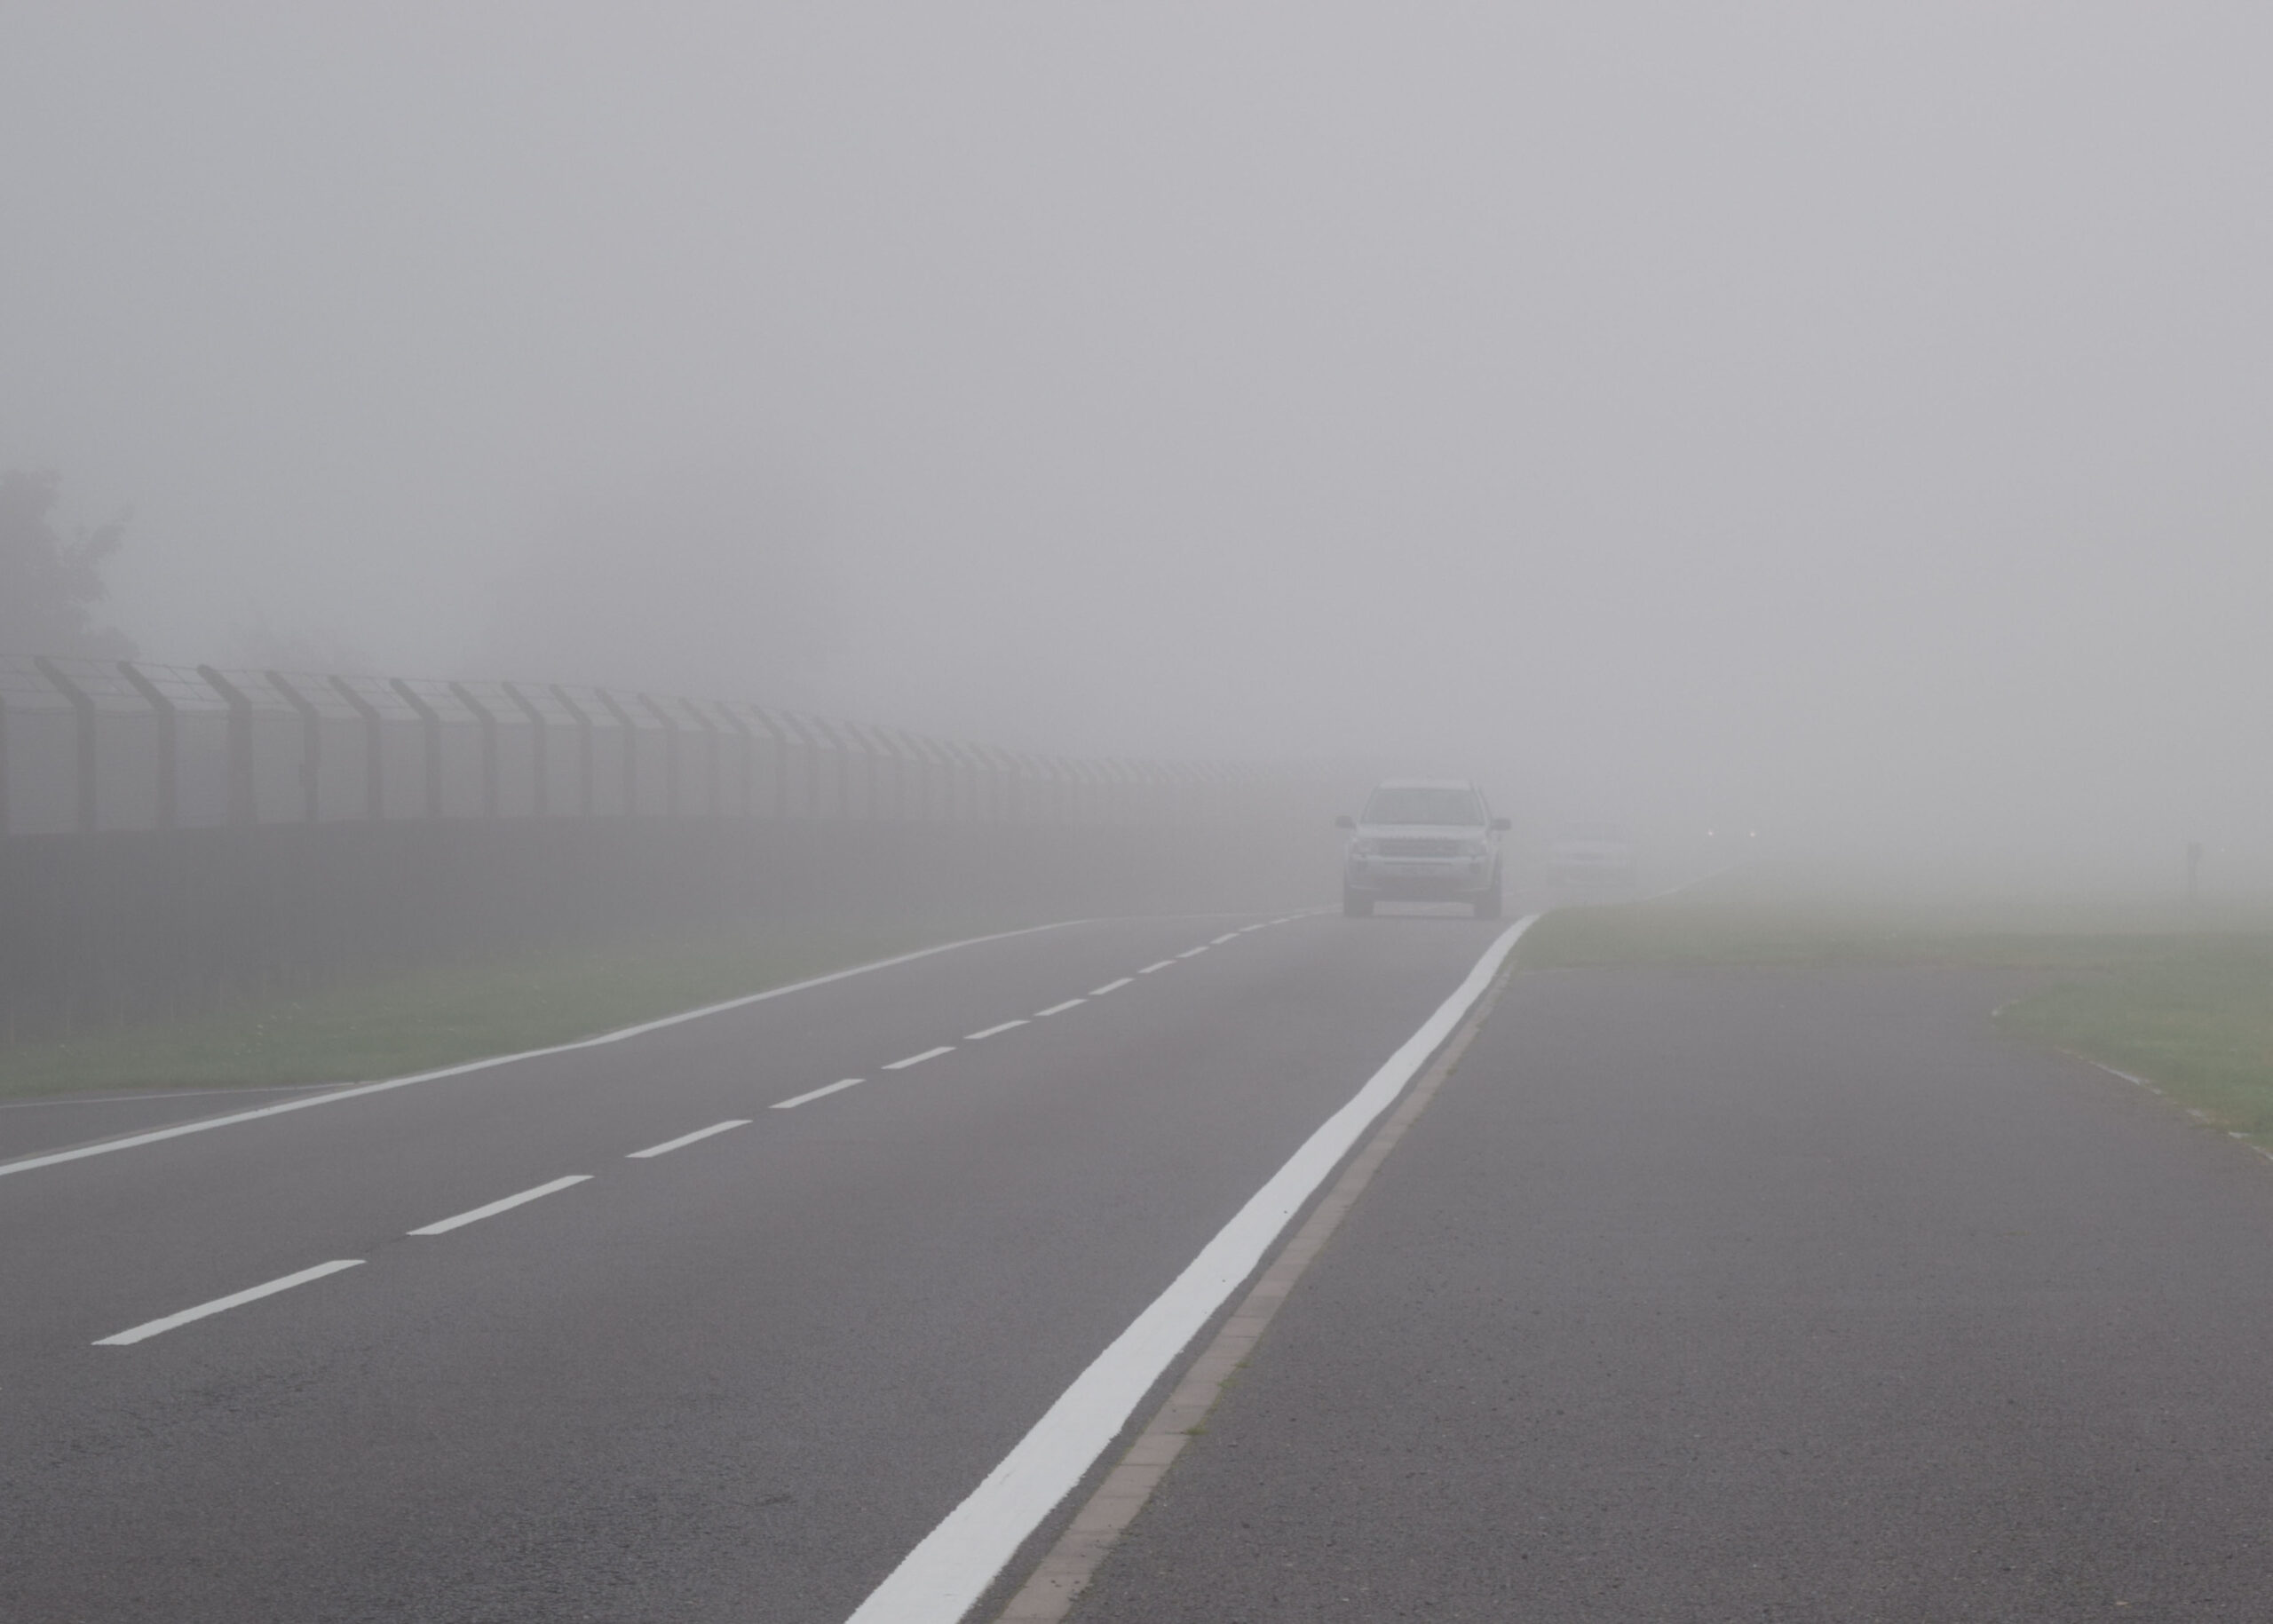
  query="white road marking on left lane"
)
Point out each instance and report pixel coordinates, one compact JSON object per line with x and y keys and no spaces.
{"x":1110,"y":987}
{"x":687,"y":1139}
{"x":1060,"y":1008}
{"x":251,"y":1294}
{"x":788,"y":1104}
{"x":495,"y":1208}
{"x":929,"y":1054}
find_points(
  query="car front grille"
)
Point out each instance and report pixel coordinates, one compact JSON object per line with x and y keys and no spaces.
{"x":1418,"y":845}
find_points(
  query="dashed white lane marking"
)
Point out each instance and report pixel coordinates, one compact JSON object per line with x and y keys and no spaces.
{"x":1060,"y":1008}
{"x":1227,"y":936}
{"x":687,"y":1138}
{"x":936,"y":1583}
{"x":357,"y":1091}
{"x":972,"y":1037}
{"x":1110,"y":987}
{"x":849,"y":1082}
{"x":495,"y":1208}
{"x":1194,"y":953}
{"x":929,"y":1054}
{"x":251,"y":1294}
{"x":1163,"y":964}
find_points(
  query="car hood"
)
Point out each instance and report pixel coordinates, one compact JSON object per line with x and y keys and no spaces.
{"x":1436,"y":831}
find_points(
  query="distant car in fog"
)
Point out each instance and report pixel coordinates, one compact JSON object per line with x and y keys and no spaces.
{"x":1593,"y":857}
{"x":1423,"y":840}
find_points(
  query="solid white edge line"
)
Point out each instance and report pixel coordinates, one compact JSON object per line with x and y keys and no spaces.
{"x":995,"y":1030}
{"x":356,"y":1090}
{"x":251,"y":1294}
{"x":929,"y":1054}
{"x":687,"y":1139}
{"x":849,"y":1082}
{"x":1060,"y":1008}
{"x":1163,"y":964}
{"x":495,"y":1208}
{"x":936,"y":1583}
{"x":1110,"y":987}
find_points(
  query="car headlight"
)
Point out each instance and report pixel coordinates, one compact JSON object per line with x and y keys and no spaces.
{"x":1474,"y":848}
{"x":1363,"y":848}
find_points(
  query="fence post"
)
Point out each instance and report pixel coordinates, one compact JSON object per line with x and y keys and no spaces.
{"x":375,"y":750}
{"x":82,"y":732}
{"x":169,"y":753}
{"x":429,"y":727}
{"x":487,"y":724}
{"x":631,"y":751}
{"x":671,"y":752}
{"x":584,"y":750}
{"x":311,"y":742}
{"x":241,"y":809}
{"x":537,"y":731}
{"x":710,"y":790}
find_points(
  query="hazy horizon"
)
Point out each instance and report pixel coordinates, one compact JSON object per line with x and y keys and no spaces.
{"x":1849,"y":423}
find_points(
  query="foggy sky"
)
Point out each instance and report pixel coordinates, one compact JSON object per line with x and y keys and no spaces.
{"x":1851,"y":420}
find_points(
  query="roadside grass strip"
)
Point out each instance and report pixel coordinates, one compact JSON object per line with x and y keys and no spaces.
{"x":251,"y":1294}
{"x":929,"y":1054}
{"x":834,"y":1088}
{"x":495,"y":1208}
{"x":357,"y":1091}
{"x":668,"y":1145}
{"x":938,"y":1581}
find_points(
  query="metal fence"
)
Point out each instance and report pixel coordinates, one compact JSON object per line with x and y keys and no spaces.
{"x":90,"y":745}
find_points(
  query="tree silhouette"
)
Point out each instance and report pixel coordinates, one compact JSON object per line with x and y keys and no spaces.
{"x":50,"y":583}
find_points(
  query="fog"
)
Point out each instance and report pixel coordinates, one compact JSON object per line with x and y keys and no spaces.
{"x":1846,"y":422}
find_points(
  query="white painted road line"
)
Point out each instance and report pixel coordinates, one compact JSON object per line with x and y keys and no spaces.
{"x":1227,"y":936}
{"x":1110,"y":987}
{"x":1194,"y":953}
{"x":929,"y":1054}
{"x":972,"y":1037}
{"x":1058,"y":1009}
{"x":1163,"y":964}
{"x":687,"y":1138}
{"x":252,"y":1294}
{"x":936,"y":1583}
{"x":358,"y":1090}
{"x":495,"y":1208}
{"x":787,"y":1105}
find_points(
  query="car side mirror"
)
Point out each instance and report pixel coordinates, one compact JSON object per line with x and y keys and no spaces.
{"x":1503,"y":824}
{"x":1345,"y":821}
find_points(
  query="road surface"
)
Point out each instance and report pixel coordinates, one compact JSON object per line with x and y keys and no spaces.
{"x":737,"y":1378}
{"x":1751,"y":1295}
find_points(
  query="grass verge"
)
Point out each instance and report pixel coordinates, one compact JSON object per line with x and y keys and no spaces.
{"x":2191,"y":1009}
{"x":440,"y":1015}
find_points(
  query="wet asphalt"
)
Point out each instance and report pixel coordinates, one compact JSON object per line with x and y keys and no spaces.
{"x":1708,"y":1294}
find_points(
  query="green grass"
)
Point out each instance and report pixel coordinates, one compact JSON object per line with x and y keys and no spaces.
{"x":2196,"y":1017}
{"x":2185,"y":1000}
{"x":443,"y":1014}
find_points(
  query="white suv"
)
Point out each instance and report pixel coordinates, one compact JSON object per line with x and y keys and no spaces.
{"x":1424,"y":839}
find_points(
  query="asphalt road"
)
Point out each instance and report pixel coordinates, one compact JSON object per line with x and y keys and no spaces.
{"x":736,"y":1380}
{"x":1751,"y":1295}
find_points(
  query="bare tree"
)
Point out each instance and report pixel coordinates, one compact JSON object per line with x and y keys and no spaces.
{"x":49,"y":583}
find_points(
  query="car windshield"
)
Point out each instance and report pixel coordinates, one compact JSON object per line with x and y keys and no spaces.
{"x":1422,"y":804}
